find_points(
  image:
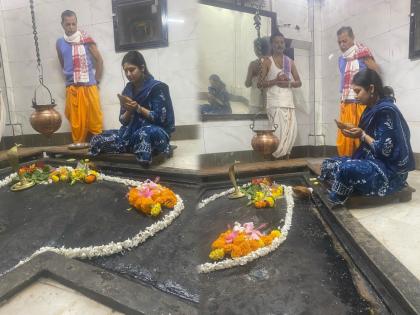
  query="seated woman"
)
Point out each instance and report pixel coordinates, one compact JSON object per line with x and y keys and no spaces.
{"x":381,"y":164}
{"x":218,"y":98}
{"x":146,"y":115}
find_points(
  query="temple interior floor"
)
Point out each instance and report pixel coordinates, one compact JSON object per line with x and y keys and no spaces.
{"x":396,"y":226}
{"x":48,"y":297}
{"x":185,"y":155}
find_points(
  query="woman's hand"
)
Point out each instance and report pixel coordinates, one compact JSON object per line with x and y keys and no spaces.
{"x":131,"y":106}
{"x":352,"y":132}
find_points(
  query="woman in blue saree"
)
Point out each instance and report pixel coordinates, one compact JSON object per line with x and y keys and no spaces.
{"x":381,"y":164}
{"x":146,"y":115}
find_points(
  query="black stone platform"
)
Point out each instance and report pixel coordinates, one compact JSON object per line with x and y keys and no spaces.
{"x":305,"y":275}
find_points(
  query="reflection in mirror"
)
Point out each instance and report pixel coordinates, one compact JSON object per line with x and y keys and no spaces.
{"x":228,"y":61}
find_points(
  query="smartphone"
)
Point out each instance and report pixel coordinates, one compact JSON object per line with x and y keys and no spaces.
{"x":341,"y":125}
{"x":124,"y":99}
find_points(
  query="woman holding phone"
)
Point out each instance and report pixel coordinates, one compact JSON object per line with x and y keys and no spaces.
{"x":381,"y":164}
{"x":146,"y":115}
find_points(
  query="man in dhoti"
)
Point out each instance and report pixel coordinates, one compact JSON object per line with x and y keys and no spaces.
{"x":279,"y":75}
{"x":355,"y":57}
{"x":82,"y":66}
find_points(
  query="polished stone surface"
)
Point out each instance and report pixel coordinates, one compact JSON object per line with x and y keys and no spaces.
{"x":48,"y":297}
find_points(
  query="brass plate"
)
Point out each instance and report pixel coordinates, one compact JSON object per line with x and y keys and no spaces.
{"x":22,"y":185}
{"x":78,"y":146}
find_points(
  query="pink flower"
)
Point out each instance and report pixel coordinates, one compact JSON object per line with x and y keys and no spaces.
{"x":231,"y":236}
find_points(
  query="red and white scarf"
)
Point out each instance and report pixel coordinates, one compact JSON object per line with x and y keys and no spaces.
{"x":80,"y":62}
{"x":352,"y":56}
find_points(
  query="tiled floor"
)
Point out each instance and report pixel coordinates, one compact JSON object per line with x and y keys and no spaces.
{"x":47,"y":297}
{"x":185,"y":155}
{"x":397,"y":226}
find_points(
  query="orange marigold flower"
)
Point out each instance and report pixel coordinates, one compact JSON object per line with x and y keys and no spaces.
{"x":236,"y":251}
{"x":219,"y":243}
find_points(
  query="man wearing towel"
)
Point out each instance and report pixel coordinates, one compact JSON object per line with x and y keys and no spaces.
{"x":82,"y":67}
{"x":355,"y":57}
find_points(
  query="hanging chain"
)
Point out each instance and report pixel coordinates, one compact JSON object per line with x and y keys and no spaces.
{"x":38,"y":57}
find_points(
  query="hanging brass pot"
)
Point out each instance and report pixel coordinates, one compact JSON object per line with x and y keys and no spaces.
{"x":45,"y":119}
{"x":264,"y":141}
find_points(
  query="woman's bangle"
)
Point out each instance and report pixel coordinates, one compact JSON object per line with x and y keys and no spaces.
{"x":138,"y":110}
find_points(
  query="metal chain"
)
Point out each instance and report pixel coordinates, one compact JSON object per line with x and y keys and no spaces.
{"x":38,"y":57}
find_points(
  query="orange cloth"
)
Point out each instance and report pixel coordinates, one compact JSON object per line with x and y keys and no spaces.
{"x":349,"y":113}
{"x":83,"y":110}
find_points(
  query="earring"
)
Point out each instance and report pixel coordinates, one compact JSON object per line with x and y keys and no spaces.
{"x":371,"y":95}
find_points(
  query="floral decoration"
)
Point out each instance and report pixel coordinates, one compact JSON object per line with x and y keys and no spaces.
{"x":150,"y":197}
{"x":218,"y":252}
{"x":82,"y":173}
{"x":113,"y":247}
{"x":241,"y":240}
{"x":37,"y":172}
{"x":263,"y":192}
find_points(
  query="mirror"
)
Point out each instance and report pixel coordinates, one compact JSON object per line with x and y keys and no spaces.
{"x":229,"y":33}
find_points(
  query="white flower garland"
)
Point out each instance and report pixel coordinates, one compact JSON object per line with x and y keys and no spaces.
{"x":241,"y":261}
{"x":111,"y":248}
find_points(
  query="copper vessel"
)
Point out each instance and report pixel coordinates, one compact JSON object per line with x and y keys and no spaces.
{"x":265,"y":141}
{"x":45,"y":119}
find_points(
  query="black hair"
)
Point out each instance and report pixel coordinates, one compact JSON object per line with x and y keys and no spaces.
{"x":275,"y":34}
{"x":264,"y":43}
{"x":135,"y":58}
{"x":345,"y":29}
{"x":67,"y":13}
{"x":367,"y":77}
{"x":216,"y":78}
{"x":389,"y":92}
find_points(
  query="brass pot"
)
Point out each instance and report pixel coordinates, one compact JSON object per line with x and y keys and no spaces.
{"x":265,"y":141}
{"x":45,"y":119}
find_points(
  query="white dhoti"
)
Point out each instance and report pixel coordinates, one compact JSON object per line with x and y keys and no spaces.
{"x":281,"y":111}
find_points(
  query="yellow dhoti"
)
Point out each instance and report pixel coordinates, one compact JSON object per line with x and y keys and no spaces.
{"x":83,"y":110}
{"x":349,"y":113}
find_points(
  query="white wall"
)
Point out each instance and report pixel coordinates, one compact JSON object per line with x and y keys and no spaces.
{"x":383,"y":26}
{"x":176,"y":65}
